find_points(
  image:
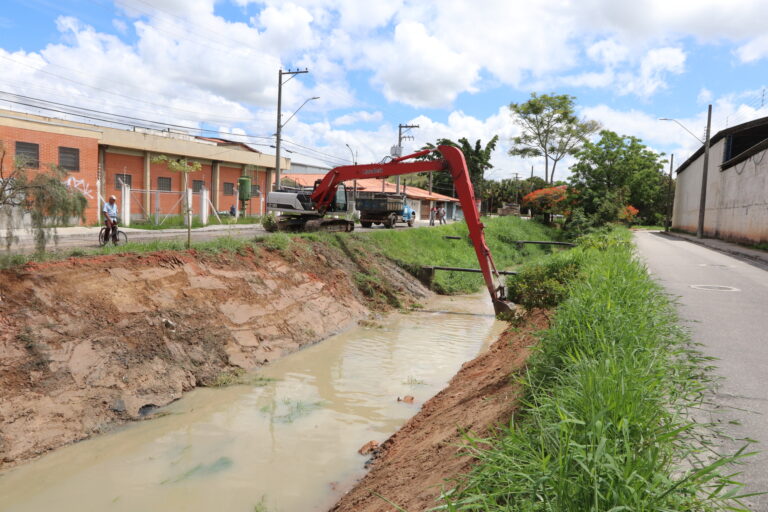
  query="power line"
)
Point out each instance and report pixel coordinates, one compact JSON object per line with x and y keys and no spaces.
{"x":316,"y":151}
{"x":113,"y":115}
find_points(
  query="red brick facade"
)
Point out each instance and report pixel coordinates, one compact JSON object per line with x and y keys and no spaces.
{"x":48,"y":151}
{"x":128,"y":165}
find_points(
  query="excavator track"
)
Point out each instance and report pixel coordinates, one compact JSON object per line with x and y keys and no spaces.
{"x":293,"y":224}
{"x":330,"y":225}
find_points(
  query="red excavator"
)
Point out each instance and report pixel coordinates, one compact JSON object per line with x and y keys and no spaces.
{"x":301,"y":210}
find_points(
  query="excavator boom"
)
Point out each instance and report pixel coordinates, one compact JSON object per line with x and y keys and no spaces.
{"x":453,"y":162}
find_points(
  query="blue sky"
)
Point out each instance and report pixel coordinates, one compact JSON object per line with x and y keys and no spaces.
{"x":451,"y":67}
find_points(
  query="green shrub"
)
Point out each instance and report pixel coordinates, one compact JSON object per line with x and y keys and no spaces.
{"x":269,"y":222}
{"x":544,"y":284}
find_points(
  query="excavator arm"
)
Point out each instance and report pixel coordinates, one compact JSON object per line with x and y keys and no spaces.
{"x":453,"y":162}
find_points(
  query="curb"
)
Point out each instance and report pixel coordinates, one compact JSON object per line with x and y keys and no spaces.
{"x":727,"y":247}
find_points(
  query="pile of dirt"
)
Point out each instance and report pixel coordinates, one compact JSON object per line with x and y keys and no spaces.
{"x":410,"y":469}
{"x":89,"y":342}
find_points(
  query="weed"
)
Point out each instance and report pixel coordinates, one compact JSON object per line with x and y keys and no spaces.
{"x":413,"y":381}
{"x":605,"y":420}
{"x":239,"y":376}
{"x":288,"y":411}
{"x":544,"y":283}
{"x":261,"y":506}
{"x":220,"y":464}
{"x":277,"y":242}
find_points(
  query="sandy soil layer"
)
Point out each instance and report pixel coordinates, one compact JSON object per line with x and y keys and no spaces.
{"x":410,"y":469}
{"x":87,"y":343}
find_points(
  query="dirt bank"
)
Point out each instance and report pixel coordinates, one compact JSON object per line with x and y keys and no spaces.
{"x":413,"y":464}
{"x":90,"y":342}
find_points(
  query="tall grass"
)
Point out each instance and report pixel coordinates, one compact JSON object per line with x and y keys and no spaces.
{"x":427,"y":246}
{"x":605,"y":422}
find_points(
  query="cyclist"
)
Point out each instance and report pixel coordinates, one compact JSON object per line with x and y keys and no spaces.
{"x":110,"y":218}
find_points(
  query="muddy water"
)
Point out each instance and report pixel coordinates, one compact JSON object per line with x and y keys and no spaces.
{"x":289,"y":445}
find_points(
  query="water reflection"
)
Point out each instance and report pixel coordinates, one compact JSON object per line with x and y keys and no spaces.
{"x":287,"y":443}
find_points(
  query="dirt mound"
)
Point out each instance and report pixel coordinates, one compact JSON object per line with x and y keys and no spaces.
{"x":88,"y":342}
{"x":411,"y":467}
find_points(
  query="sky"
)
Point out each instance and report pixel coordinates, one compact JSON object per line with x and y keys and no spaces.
{"x":451,"y":67}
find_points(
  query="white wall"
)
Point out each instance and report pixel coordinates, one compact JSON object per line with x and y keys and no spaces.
{"x":737,"y":198}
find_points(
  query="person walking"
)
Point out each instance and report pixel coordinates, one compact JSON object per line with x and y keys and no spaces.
{"x":432,"y":215}
{"x":442,"y":215}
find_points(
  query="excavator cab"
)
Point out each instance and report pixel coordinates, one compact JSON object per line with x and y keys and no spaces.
{"x":340,"y":202}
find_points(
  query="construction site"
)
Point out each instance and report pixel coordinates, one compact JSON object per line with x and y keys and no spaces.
{"x":311,"y":351}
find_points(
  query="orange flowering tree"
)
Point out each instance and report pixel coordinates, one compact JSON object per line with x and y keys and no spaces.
{"x":628,"y":214}
{"x":547,"y":200}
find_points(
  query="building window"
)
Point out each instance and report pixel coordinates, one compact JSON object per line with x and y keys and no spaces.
{"x":164,"y":184}
{"x":255,"y":190}
{"x":28,"y":154}
{"x":197,"y":186}
{"x":69,"y":158}
{"x":122,"y":179}
{"x":229,"y":189}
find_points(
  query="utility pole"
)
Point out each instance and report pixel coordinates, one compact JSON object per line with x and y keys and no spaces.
{"x":400,"y":139}
{"x":703,"y":201}
{"x":668,"y":223}
{"x":280,"y":84}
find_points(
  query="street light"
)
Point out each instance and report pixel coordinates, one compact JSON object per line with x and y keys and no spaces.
{"x":278,"y":139}
{"x":682,"y":126}
{"x":704,"y":172}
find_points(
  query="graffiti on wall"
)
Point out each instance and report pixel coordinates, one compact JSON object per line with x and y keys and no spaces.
{"x":80,"y":184}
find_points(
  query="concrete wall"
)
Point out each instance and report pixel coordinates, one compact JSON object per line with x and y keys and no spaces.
{"x":737,"y":198}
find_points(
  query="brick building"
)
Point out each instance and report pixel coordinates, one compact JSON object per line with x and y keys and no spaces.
{"x":99,"y":160}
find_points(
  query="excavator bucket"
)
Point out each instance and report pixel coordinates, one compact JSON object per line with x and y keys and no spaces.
{"x":504,"y":310}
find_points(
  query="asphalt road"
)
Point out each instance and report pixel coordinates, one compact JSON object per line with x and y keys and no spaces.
{"x":732,"y":326}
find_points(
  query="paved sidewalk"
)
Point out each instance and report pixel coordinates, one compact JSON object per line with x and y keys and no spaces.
{"x":722,"y":246}
{"x":722,"y":300}
{"x":87,"y":236}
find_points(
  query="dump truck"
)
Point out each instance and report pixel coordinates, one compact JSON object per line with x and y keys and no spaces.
{"x":383,"y":208}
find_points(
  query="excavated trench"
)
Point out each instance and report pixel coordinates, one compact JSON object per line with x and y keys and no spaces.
{"x":288,"y":441}
{"x":88,"y":345}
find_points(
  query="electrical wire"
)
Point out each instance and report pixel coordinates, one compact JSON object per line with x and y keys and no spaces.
{"x":114,"y":115}
{"x":133,"y":124}
{"x":340,"y":159}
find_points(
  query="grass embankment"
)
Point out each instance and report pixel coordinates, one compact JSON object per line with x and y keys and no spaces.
{"x":604,"y":424}
{"x":415,"y":248}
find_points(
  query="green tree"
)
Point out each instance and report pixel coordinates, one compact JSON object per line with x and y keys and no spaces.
{"x":550,"y":129}
{"x":617,"y":171}
{"x":42,"y":194}
{"x":478,"y":157}
{"x":185,"y":167}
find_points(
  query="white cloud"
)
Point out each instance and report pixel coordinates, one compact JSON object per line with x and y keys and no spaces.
{"x":361,"y":116}
{"x":420,"y":69}
{"x":753,"y":50}
{"x":608,"y":52}
{"x":704,"y":96}
{"x":654,"y":67}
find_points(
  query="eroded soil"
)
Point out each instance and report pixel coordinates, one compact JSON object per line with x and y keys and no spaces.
{"x":410,"y":469}
{"x":87,"y":343}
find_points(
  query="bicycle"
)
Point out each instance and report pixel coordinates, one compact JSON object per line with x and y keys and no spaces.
{"x":104,"y":236}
